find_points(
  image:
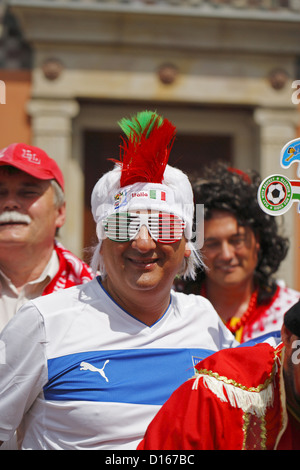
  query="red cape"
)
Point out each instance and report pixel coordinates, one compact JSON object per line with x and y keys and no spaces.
{"x":233,"y":403}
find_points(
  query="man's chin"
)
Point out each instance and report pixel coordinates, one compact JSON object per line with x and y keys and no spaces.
{"x":146,"y":281}
{"x":13,"y":238}
{"x":229,"y":281}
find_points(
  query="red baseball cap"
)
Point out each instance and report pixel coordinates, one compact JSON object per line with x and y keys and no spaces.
{"x":32,"y":160}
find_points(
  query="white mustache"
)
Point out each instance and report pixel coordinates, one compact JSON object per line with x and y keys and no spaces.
{"x":14,"y":217}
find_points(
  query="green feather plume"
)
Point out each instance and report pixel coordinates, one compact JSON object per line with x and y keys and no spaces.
{"x":144,"y":152}
{"x":143,"y":121}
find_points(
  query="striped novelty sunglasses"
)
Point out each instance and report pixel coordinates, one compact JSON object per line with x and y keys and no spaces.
{"x":162,"y":226}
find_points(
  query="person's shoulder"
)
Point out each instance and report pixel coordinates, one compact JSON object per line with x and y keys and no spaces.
{"x":284,"y":290}
{"x":66,"y":298}
{"x":196,"y":307}
{"x":284,"y":297}
{"x":248,"y":366}
{"x":191,"y":299}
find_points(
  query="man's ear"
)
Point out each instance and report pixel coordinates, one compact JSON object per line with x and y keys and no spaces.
{"x":187,"y":251}
{"x":61,"y":215}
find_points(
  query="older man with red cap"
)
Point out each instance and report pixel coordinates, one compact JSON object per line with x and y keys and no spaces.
{"x":32,"y":209}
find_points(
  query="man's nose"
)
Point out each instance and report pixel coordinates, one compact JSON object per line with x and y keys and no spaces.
{"x":226,"y":250}
{"x":9,"y":203}
{"x":143,"y":242}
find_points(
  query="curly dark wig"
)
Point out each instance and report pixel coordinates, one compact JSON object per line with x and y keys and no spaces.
{"x":229,"y":189}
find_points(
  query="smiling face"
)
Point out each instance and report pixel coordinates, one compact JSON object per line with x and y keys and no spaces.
{"x":28,"y":214}
{"x":230,"y":251}
{"x":141,"y":266}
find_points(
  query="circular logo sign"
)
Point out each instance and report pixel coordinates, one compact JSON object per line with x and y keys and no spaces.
{"x":275,"y":195}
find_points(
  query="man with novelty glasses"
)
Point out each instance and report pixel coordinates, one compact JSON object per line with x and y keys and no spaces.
{"x":89,"y":368}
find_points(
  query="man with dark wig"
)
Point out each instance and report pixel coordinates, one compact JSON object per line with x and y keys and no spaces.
{"x":242,"y":252}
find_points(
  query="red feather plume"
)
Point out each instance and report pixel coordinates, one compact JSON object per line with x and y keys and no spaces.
{"x":145,"y":153}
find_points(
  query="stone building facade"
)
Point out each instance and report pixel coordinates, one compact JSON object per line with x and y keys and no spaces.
{"x":224,"y":71}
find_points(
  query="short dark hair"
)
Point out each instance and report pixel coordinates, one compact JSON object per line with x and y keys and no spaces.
{"x":224,"y":188}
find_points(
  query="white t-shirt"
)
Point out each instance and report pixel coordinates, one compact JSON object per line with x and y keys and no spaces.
{"x":87,"y":375}
{"x":11,"y":299}
{"x":271,"y":316}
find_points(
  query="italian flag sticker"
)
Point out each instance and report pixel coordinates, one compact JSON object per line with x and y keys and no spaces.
{"x":157,"y":194}
{"x":296,"y":189}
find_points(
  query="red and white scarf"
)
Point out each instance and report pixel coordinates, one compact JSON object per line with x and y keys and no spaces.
{"x":72,"y":271}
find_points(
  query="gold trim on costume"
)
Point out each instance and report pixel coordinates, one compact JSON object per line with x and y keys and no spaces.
{"x":224,"y":379}
{"x":255,"y":432}
{"x":252,"y":401}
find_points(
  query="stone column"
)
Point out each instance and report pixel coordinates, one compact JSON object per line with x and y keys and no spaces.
{"x":52,"y":131}
{"x":277,"y":127}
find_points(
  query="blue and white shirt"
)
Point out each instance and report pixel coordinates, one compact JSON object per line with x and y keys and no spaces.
{"x":79,"y":372}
